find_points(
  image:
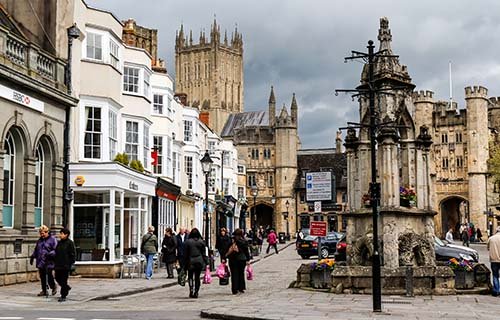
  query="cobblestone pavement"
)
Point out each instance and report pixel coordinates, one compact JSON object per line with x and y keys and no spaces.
{"x":267,"y":297}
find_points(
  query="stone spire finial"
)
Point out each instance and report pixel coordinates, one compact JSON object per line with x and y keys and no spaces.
{"x":190,"y":37}
{"x":294,"y":102}
{"x":384,"y":35}
{"x":283,"y":113}
{"x":272,"y":99}
{"x":225,"y":37}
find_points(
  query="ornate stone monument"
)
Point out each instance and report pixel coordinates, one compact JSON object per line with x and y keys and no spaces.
{"x":406,"y":215}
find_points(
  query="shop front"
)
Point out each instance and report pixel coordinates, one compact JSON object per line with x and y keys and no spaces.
{"x":164,"y":207}
{"x":111,"y":210}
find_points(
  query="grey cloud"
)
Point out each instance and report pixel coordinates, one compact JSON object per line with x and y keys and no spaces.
{"x":298,"y":46}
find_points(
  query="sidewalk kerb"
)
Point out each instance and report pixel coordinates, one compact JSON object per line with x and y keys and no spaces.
{"x":221,"y":316}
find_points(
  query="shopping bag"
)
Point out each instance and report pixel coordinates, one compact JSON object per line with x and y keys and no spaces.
{"x":249,"y":272}
{"x":221,"y":270}
{"x":224,"y":275}
{"x":181,"y":277}
{"x":207,"y":278}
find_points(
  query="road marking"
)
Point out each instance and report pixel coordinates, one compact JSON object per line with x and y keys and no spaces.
{"x":11,"y":318}
{"x":110,"y":319}
{"x":55,"y":318}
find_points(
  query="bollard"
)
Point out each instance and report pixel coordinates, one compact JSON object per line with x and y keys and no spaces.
{"x":409,"y":280}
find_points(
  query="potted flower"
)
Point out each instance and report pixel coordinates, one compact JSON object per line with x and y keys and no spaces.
{"x":366,"y":200}
{"x":321,"y":273}
{"x":407,"y":197}
{"x":464,"y":275}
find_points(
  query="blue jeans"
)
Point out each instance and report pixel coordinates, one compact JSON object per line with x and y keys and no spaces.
{"x":495,"y":267}
{"x":149,"y":265}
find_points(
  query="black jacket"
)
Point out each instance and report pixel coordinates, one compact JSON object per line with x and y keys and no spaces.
{"x":194,"y":254}
{"x":243,"y":254}
{"x":65,"y":254}
{"x":222,"y":244}
{"x":180,"y":245}
{"x":168,"y":249}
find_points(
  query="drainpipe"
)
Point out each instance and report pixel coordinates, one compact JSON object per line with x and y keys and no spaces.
{"x":73,"y":33}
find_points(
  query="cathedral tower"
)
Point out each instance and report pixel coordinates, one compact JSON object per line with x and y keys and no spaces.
{"x":210,"y":72}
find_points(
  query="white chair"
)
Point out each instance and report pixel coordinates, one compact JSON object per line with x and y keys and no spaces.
{"x":131,"y":265}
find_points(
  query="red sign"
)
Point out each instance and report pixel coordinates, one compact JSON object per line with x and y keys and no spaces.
{"x":167,"y":195}
{"x":317,"y":228}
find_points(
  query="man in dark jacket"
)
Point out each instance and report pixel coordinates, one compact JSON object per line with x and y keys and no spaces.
{"x":181,"y":237}
{"x":45,"y":251}
{"x":65,"y":257}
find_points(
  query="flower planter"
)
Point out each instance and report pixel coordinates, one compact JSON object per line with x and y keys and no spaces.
{"x":404,"y":202}
{"x":464,"y":279}
{"x":321,"y":279}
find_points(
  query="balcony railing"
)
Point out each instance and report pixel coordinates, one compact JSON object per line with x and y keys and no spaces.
{"x":31,"y":60}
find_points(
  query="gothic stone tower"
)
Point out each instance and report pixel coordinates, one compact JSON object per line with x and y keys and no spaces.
{"x":211,"y":73}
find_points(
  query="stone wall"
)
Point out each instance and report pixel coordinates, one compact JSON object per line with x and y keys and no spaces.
{"x":15,"y":268}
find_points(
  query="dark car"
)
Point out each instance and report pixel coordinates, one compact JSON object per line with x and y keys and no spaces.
{"x":308,"y":247}
{"x":445,"y":251}
{"x":340,"y":252}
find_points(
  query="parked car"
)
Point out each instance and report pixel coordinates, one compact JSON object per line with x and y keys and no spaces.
{"x":309,"y":246}
{"x":340,"y":250}
{"x":445,"y":251}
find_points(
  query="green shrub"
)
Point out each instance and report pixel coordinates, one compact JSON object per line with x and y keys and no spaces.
{"x":137,"y":165}
{"x":122,"y":158}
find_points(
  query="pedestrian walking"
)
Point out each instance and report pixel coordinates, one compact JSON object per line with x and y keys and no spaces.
{"x":44,"y":254}
{"x":449,"y":235}
{"x":493,"y":246}
{"x":272,"y":241}
{"x":479,"y":235}
{"x":465,"y":235}
{"x":169,"y":251}
{"x":149,"y":247}
{"x":239,"y":257}
{"x":195,"y":260}
{"x":260,"y":238}
{"x":65,"y":257}
{"x":181,"y":237}
{"x":222,"y":244}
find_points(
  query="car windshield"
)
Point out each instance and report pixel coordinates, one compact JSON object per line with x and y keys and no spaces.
{"x":310,"y":238}
{"x":439,"y":242}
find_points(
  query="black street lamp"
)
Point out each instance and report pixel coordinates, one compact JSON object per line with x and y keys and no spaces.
{"x":206,"y":164}
{"x":253,"y":219}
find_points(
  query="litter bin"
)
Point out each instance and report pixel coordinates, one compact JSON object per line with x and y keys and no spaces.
{"x":281,"y":237}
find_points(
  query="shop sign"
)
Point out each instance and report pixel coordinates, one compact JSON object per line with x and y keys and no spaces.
{"x":166,"y":195}
{"x":21,"y":98}
{"x":79,"y":181}
{"x":133,"y":186}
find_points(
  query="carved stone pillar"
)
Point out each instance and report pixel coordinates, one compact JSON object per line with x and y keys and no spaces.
{"x":391,"y":243}
{"x":28,"y":215}
{"x":388,"y":168}
{"x":351,"y":143}
{"x":2,"y":153}
{"x":57,"y":196}
{"x":424,"y":142}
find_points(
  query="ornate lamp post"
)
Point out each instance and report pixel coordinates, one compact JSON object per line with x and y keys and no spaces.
{"x":206,"y":164}
{"x":255,"y":192}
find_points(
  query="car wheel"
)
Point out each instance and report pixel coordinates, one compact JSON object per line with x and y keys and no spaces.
{"x":304,"y":257}
{"x":324,"y":253}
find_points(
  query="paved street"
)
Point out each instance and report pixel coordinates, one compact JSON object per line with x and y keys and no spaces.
{"x":267,"y":297}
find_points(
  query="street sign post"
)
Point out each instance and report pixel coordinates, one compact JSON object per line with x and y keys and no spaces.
{"x":319,"y":186}
{"x":317,"y":207}
{"x":317,"y":228}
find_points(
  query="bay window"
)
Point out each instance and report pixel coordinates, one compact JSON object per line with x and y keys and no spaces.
{"x":132,"y":140}
{"x":94,"y":46}
{"x":92,"y":135}
{"x":131,"y":79}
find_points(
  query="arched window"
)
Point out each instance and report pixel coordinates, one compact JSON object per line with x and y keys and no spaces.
{"x":39,"y":178}
{"x":8,"y":182}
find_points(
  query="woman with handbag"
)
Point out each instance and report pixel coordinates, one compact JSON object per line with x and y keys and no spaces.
{"x":168,"y":250}
{"x":195,"y":260}
{"x":239,"y":257}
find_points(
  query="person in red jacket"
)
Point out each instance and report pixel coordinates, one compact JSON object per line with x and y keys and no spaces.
{"x":272,"y":240}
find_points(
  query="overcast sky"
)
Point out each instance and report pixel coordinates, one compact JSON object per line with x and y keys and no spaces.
{"x":299,"y":45}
